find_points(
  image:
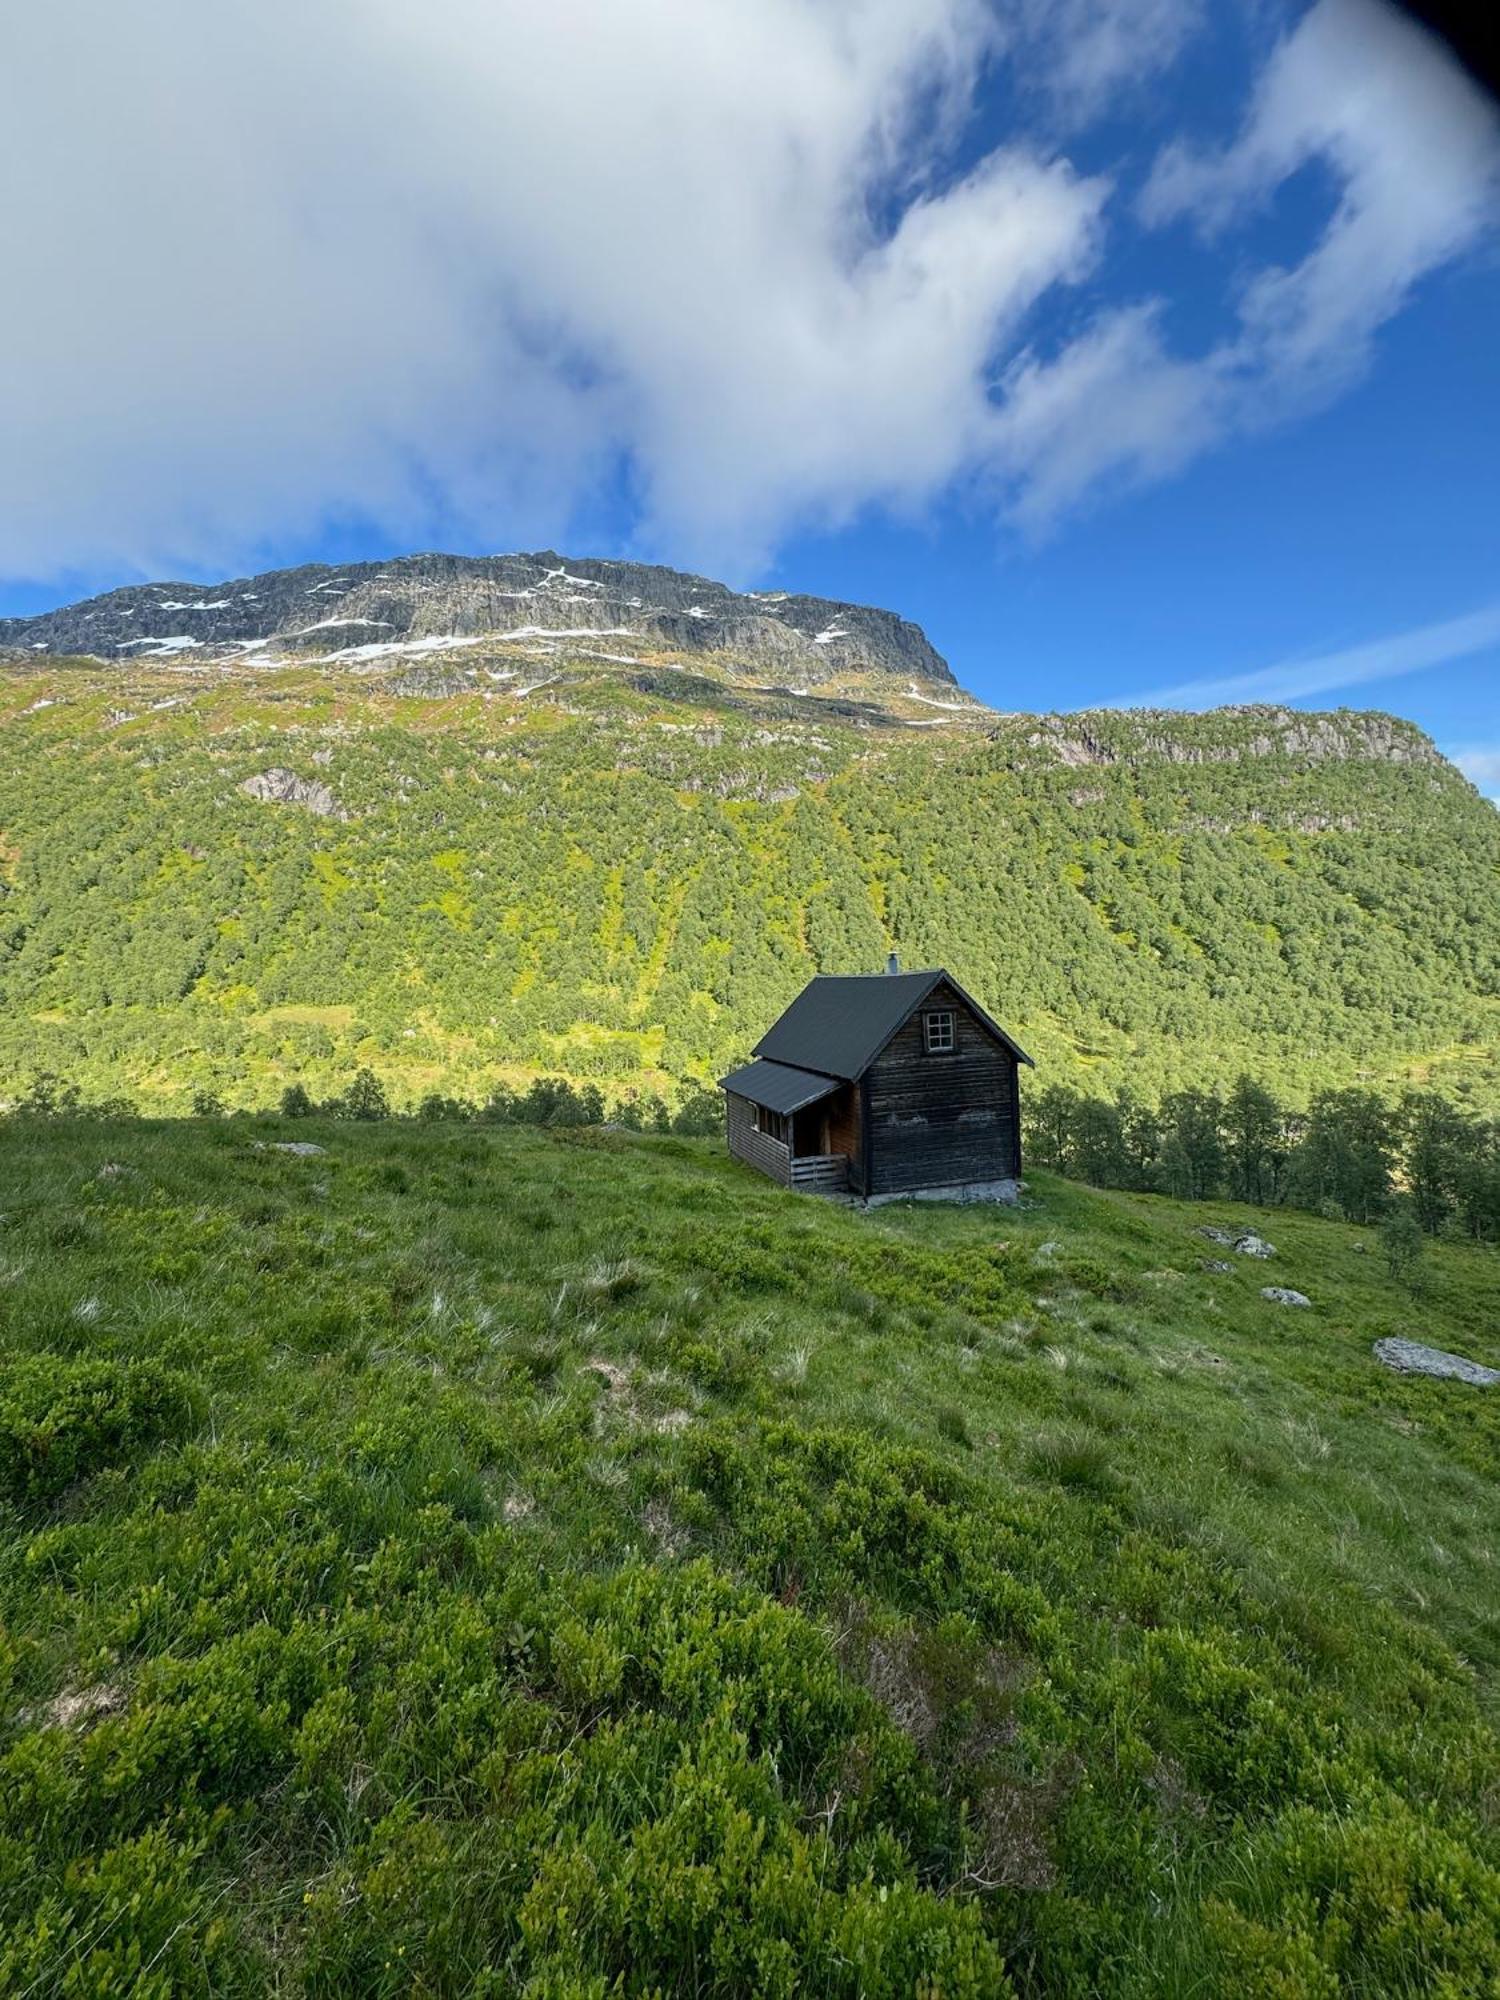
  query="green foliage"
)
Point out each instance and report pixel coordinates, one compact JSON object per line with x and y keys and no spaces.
{"x":48,"y":1096}
{"x":1345,"y":1155}
{"x":61,"y":1420}
{"x":1446,"y":1169}
{"x":503,"y":1558}
{"x":1401,"y":1241}
{"x":700,"y":1114}
{"x":622,"y":886}
{"x":365,"y":1098}
{"x":1342,"y":1160}
{"x":1192,"y":1150}
{"x":1377,"y":1900}
{"x":1257,"y":1142}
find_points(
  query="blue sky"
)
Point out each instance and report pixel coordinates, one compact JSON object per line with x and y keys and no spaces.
{"x":1139,"y":349}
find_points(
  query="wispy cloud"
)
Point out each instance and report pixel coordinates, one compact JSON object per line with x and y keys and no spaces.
{"x":1353,"y":666}
{"x":1413,"y":148}
{"x":718,"y":253}
{"x":738,"y":263}
{"x":1480,"y":764}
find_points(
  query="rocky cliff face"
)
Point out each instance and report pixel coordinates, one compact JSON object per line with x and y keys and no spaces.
{"x":1138,"y":738}
{"x":427,"y":604}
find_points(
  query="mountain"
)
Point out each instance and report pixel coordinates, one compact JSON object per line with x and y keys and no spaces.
{"x":463,"y":858}
{"x":419,"y":605}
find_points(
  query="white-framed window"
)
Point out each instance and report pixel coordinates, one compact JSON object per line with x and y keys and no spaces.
{"x":939,"y":1032}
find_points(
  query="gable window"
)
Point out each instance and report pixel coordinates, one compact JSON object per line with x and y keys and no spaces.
{"x":939,"y":1037}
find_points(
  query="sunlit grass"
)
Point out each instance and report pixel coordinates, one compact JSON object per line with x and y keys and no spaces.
{"x":499,"y":1556}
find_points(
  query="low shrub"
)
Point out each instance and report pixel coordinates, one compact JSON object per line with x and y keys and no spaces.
{"x":62,"y":1420}
{"x":1377,"y":1899}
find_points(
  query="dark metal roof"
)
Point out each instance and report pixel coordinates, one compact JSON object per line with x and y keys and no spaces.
{"x":838,"y":1024}
{"x":777,"y":1087}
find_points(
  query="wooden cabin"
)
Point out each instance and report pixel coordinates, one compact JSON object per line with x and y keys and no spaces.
{"x":880,"y":1084}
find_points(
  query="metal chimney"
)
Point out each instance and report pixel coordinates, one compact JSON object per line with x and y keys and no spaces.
{"x":893,"y":964}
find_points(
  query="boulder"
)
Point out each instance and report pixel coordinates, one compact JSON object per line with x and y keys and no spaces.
{"x":1245,"y":1241}
{"x":1410,"y":1357}
{"x":1281,"y":1295}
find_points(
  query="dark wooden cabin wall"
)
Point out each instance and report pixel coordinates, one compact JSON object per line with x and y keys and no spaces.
{"x":939,"y":1119}
{"x":754,"y":1147}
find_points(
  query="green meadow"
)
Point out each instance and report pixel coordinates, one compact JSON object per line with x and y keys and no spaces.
{"x":558,"y":1563}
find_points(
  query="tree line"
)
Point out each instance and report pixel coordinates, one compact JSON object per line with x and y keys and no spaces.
{"x":549,"y":1100}
{"x":1350,"y":1156}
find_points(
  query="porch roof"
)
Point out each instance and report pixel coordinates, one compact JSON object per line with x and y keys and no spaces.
{"x":778,"y":1086}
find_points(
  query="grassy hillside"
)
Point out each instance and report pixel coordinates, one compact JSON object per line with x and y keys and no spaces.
{"x":560,"y":1563}
{"x":623,"y":874}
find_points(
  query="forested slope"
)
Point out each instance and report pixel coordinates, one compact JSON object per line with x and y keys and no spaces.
{"x":229,"y":877}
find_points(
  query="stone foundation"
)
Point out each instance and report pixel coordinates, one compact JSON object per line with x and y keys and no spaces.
{"x":1007,"y":1192}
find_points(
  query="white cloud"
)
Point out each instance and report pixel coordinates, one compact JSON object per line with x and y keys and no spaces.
{"x":1480,"y":764}
{"x":454,"y":268}
{"x":1414,"y":145}
{"x":1113,"y":405}
{"x":1415,"y":151}
{"x":267,"y":262}
{"x":1092,"y":50}
{"x":1383,"y":659}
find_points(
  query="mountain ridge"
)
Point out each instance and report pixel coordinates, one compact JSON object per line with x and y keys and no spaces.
{"x":429,"y":603}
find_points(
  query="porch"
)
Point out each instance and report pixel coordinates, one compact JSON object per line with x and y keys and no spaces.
{"x":799,"y":1128}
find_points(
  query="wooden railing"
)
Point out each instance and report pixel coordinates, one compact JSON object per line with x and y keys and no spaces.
{"x":821,"y":1173}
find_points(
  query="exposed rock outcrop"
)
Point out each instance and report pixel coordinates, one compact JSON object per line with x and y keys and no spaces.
{"x":1127,"y":738}
{"x":285,"y":788}
{"x":368,"y":613}
{"x":1410,"y":1357}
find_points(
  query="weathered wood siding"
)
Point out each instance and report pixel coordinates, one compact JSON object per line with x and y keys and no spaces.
{"x":844,"y":1134}
{"x":939,"y":1119}
{"x":755,"y":1148}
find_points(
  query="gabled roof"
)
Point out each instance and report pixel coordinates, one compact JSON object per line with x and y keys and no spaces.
{"x":778,"y":1087}
{"x":838,"y":1024}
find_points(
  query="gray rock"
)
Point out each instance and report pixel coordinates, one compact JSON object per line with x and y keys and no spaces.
{"x":1245,"y":1241}
{"x":1410,"y":1357}
{"x":285,"y":788}
{"x":1215,"y":1264}
{"x":304,"y":1149}
{"x":1068,"y":739}
{"x":378,"y":611}
{"x":1280,"y":1295}
{"x":1006,"y":1192}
